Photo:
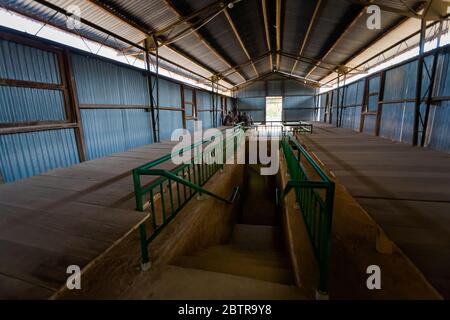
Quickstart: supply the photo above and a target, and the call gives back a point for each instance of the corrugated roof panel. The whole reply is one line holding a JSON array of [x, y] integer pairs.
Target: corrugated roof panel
[[154, 14], [329, 24], [20, 62], [97, 15], [247, 16], [30, 104], [23, 155], [296, 21], [263, 65], [350, 44]]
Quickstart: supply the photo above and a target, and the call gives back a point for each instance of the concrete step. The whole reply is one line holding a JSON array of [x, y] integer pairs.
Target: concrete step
[[177, 283], [256, 237], [237, 267], [264, 258]]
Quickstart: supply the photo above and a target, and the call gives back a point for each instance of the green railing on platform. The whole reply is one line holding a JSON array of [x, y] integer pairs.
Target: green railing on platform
[[169, 193], [314, 192]]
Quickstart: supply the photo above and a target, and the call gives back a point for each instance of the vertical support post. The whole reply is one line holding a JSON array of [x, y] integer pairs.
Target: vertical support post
[[337, 99], [429, 98], [183, 105], [380, 105], [157, 86], [150, 90], [71, 101], [418, 102], [342, 100]]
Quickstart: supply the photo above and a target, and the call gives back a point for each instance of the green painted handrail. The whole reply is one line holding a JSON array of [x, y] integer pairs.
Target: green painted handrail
[[316, 207]]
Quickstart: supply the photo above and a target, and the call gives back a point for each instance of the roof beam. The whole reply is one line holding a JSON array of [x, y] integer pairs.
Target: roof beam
[[131, 21], [309, 61], [238, 36], [418, 8], [252, 80], [341, 36], [232, 70], [266, 30], [308, 32], [200, 37], [405, 13], [278, 33]]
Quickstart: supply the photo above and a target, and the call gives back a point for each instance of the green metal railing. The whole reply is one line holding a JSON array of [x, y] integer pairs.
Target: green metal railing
[[314, 193], [169, 193]]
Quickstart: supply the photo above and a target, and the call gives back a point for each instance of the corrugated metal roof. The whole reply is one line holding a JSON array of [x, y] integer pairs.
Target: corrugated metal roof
[[215, 46]]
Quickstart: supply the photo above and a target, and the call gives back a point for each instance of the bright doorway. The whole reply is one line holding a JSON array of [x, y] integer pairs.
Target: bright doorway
[[274, 109]]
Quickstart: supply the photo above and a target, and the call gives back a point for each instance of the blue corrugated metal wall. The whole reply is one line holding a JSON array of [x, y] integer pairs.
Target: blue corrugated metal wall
[[30, 104], [108, 131], [29, 153], [298, 99], [102, 82], [23, 155], [169, 120], [20, 62], [204, 107], [439, 122]]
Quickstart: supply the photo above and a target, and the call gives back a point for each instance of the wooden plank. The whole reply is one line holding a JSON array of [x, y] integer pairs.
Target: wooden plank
[[15, 289], [31, 84], [62, 125]]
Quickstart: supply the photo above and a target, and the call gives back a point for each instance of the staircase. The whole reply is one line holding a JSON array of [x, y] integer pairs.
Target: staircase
[[252, 266]]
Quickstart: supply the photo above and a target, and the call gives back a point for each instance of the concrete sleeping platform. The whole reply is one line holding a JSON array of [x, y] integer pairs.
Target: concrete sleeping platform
[[67, 216], [405, 189]]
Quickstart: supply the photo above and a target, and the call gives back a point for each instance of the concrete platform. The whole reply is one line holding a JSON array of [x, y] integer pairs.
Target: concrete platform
[[68, 216], [405, 189]]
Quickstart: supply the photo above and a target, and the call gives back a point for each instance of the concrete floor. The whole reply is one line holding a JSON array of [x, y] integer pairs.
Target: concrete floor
[[405, 189]]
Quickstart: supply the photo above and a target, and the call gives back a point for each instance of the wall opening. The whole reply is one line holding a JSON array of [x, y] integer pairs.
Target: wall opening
[[274, 109]]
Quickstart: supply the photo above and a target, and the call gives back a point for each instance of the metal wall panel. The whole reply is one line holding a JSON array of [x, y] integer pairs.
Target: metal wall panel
[[351, 117], [169, 94], [298, 114], [257, 89], [296, 102], [206, 118], [204, 100], [397, 122], [102, 82], [439, 127], [21, 62], [274, 88], [401, 82], [19, 104], [257, 115], [169, 120], [246, 104], [23, 155], [295, 88], [107, 131]]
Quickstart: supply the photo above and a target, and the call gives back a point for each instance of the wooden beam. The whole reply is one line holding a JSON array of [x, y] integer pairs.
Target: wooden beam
[[34, 128], [278, 33], [308, 32], [229, 71], [266, 30], [149, 33], [238, 37], [404, 13], [200, 37], [341, 36], [31, 84], [71, 101]]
